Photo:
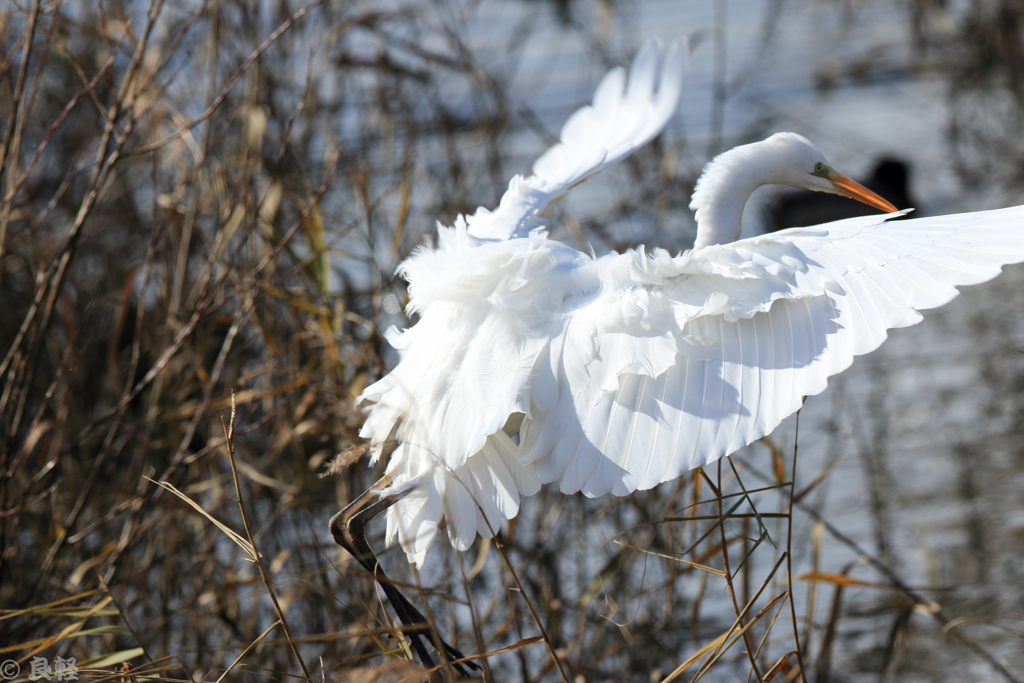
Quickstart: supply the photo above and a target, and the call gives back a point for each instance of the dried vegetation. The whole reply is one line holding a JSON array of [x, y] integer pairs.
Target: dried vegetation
[[202, 207]]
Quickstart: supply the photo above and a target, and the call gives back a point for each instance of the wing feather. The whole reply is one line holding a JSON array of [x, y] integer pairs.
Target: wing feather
[[714, 386], [494, 338], [766, 374], [664, 447], [624, 116], [646, 431], [615, 438], [744, 371], [693, 400], [771, 319], [632, 368]]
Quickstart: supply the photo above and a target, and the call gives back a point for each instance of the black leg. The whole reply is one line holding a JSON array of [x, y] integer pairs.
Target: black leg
[[348, 528]]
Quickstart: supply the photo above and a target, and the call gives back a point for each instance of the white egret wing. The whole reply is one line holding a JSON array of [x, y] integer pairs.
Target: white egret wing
[[680, 361], [486, 316], [625, 115]]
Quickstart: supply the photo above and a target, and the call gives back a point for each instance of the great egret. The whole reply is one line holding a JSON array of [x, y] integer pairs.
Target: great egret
[[534, 363]]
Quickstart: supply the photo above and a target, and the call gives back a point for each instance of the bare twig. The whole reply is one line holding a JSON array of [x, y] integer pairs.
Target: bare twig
[[229, 435]]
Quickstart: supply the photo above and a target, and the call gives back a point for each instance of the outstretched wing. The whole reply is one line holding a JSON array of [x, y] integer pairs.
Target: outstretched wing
[[489, 306], [624, 116], [486, 315], [680, 361]]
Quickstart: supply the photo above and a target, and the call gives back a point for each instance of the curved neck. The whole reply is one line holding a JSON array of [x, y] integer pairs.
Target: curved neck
[[724, 187]]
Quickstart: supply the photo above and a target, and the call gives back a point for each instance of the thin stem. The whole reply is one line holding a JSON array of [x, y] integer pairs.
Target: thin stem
[[248, 649], [529, 605], [229, 433], [789, 555], [728, 579]]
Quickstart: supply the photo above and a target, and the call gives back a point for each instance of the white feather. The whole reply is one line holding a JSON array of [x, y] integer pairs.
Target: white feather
[[623, 117], [629, 369]]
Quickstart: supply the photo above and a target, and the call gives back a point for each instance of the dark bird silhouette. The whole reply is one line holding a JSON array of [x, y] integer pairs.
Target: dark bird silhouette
[[801, 208]]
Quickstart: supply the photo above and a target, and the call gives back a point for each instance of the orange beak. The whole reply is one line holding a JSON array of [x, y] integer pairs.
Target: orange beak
[[855, 190]]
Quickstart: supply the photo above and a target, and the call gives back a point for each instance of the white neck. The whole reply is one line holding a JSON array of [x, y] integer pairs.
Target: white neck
[[726, 184]]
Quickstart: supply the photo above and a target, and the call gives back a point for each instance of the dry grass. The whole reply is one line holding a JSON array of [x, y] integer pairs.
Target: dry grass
[[202, 207]]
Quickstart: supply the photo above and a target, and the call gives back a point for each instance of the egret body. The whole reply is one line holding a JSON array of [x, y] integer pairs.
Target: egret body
[[533, 363]]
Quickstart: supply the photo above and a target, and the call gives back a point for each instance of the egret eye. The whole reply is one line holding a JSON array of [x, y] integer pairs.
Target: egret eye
[[819, 167]]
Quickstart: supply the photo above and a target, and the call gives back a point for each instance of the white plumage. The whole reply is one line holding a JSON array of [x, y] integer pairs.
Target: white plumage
[[534, 363]]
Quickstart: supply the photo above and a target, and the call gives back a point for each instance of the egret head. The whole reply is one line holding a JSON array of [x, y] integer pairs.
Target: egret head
[[798, 163], [782, 159]]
